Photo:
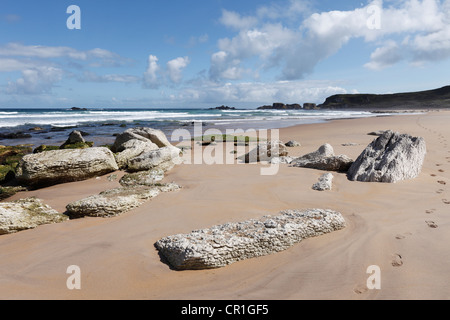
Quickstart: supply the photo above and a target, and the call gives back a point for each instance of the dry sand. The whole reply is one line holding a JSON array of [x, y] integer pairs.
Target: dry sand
[[386, 227]]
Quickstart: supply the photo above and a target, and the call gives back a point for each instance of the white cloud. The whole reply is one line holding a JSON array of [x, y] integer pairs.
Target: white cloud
[[89, 76], [175, 68], [261, 93], [155, 76], [35, 81], [151, 75], [385, 56], [268, 38], [235, 21]]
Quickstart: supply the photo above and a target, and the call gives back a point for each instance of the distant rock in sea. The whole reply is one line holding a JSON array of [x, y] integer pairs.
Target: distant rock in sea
[[223, 108], [225, 244], [14, 135], [281, 106], [78, 109], [390, 158]]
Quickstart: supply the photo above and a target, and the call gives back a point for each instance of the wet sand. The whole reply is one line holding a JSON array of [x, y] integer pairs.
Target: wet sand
[[386, 226]]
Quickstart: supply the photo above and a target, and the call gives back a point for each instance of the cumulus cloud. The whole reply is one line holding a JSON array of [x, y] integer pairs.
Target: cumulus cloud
[[423, 27], [151, 75], [175, 68], [155, 76], [35, 81]]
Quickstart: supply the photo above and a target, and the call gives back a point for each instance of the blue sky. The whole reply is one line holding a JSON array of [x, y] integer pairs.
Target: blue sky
[[205, 53]]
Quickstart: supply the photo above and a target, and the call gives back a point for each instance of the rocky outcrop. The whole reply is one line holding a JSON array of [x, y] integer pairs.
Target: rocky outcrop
[[135, 145], [164, 158], [390, 158], [323, 159], [60, 166], [143, 178], [26, 214], [265, 151], [325, 182], [117, 201], [225, 244]]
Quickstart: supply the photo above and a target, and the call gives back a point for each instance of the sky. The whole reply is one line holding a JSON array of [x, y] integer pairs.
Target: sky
[[208, 53]]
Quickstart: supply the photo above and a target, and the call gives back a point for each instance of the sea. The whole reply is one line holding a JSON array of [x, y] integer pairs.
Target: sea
[[52, 126]]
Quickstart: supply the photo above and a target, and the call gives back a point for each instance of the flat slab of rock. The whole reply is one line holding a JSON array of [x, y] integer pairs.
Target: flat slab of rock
[[323, 159], [143, 178], [60, 166], [117, 201], [225, 244], [325, 182], [26, 214], [390, 158]]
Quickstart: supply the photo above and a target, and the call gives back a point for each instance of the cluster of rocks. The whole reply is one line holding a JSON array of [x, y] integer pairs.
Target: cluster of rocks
[[144, 151], [137, 149], [225, 244]]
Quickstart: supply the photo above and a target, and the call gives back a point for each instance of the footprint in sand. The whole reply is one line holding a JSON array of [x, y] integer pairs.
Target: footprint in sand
[[445, 201], [397, 260], [431, 224], [433, 175], [440, 191], [430, 211], [442, 182], [360, 289], [440, 170]]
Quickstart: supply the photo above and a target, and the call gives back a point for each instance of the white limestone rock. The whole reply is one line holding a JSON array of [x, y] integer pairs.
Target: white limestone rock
[[225, 244], [60, 166], [325, 182], [26, 214], [323, 159], [390, 158]]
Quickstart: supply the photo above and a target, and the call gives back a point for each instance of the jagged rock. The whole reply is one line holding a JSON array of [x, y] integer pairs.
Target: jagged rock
[[117, 201], [60, 166], [292, 144], [146, 178], [265, 151], [26, 214], [325, 182], [225, 244], [143, 134], [390, 158], [137, 143], [131, 149], [165, 158], [323, 159]]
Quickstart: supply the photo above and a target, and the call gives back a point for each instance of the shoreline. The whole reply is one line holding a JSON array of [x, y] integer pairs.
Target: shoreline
[[384, 221]]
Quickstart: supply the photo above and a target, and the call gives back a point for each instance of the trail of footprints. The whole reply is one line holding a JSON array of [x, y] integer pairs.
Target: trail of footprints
[[396, 258]]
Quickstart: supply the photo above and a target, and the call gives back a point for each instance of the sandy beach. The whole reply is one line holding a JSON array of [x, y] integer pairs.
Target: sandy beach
[[386, 226]]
